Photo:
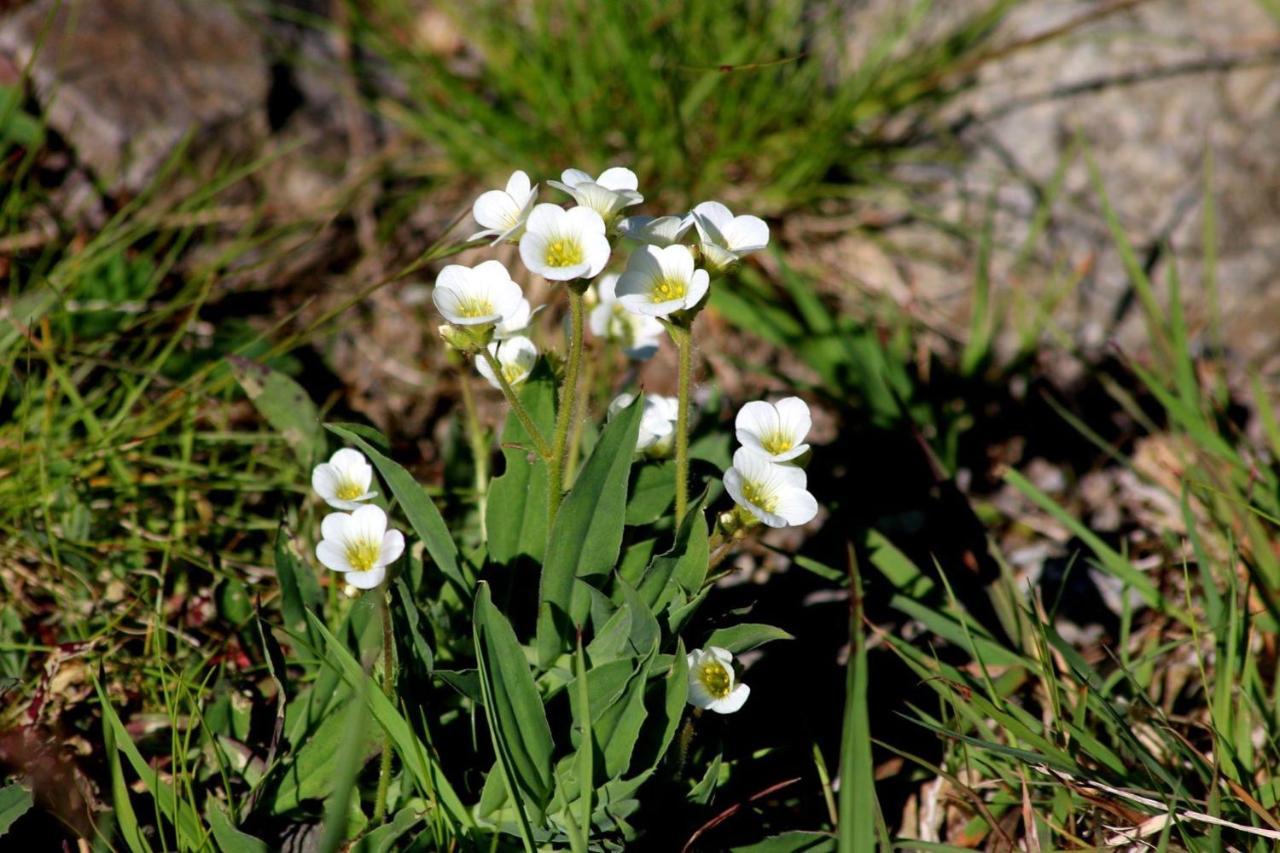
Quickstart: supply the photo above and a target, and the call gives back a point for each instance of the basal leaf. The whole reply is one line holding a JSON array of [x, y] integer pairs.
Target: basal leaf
[[516, 508], [284, 404], [15, 800], [517, 721], [587, 536], [653, 490], [745, 637], [299, 589], [684, 567]]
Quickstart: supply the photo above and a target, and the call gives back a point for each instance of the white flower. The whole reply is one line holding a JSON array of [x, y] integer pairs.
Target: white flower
[[359, 545], [514, 323], [502, 213], [515, 356], [343, 482], [777, 430], [607, 195], [712, 682], [725, 237], [654, 231], [639, 334], [772, 492], [476, 296], [561, 244], [657, 422], [660, 281]]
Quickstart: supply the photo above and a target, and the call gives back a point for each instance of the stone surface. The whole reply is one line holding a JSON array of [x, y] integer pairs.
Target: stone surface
[[1151, 89], [125, 80]]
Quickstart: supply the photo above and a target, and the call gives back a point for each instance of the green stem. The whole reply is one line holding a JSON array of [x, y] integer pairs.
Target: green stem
[[388, 688], [683, 344], [565, 414], [479, 452], [522, 414]]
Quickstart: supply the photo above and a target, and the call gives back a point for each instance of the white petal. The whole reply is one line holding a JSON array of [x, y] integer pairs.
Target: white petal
[[545, 218], [676, 262], [482, 366], [533, 250], [618, 178], [593, 197], [716, 257], [596, 251], [392, 547], [711, 218], [332, 556], [735, 700], [366, 580], [797, 506], [698, 286], [584, 220], [733, 485], [644, 304], [573, 177], [334, 526], [496, 210], [324, 480], [619, 403], [754, 421], [606, 288], [515, 322], [519, 187], [368, 523], [746, 234], [598, 320], [723, 655]]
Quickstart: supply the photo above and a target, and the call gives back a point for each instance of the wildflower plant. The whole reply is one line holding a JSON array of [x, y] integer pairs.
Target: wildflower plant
[[584, 687]]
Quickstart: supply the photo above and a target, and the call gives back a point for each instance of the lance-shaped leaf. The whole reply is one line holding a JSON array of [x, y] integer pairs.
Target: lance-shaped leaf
[[516, 508], [284, 405], [683, 568], [587, 535], [517, 721]]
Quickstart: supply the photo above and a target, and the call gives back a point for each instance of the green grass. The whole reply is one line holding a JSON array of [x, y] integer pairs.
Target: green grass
[[161, 607]]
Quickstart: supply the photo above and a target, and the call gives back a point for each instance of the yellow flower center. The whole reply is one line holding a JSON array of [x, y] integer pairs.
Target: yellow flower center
[[513, 373], [475, 306], [349, 490], [668, 289], [777, 442], [715, 679], [362, 554], [564, 253], [759, 496]]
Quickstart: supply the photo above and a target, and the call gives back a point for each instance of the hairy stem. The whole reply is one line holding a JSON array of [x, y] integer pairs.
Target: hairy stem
[[388, 687], [683, 344], [479, 452], [522, 414], [565, 414]]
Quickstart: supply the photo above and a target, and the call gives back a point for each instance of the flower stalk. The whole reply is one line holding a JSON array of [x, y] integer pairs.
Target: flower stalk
[[479, 452], [680, 335], [522, 414], [568, 402], [388, 688]]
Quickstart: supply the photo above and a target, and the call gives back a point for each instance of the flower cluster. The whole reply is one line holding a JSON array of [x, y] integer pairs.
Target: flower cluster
[[764, 480], [487, 313], [356, 543]]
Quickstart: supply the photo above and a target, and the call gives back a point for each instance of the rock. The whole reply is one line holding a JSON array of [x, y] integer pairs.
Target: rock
[[125, 80]]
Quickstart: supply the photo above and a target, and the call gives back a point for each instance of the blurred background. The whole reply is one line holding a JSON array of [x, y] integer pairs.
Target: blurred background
[[1028, 236]]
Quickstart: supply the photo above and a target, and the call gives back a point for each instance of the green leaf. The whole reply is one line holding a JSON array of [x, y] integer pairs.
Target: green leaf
[[684, 567], [747, 636], [587, 536], [418, 508], [178, 812], [230, 839], [17, 126], [857, 773], [616, 692], [517, 722], [516, 507], [386, 837], [792, 842], [666, 703], [413, 752], [653, 490], [284, 404], [299, 589], [15, 800], [312, 769]]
